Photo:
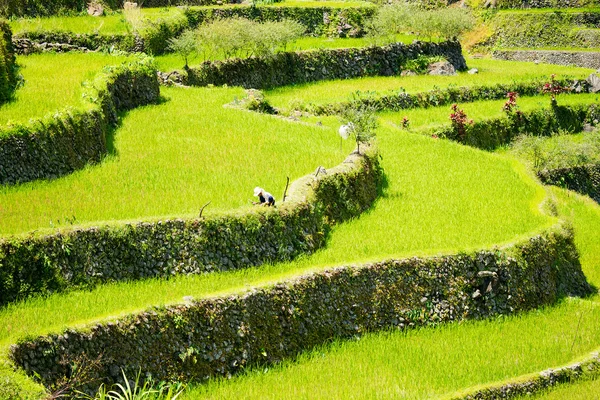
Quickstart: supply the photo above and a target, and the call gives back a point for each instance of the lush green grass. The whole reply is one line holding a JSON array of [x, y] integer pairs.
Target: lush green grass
[[425, 363], [433, 362], [170, 62], [171, 159], [52, 82], [442, 197], [110, 24], [426, 120], [585, 390], [490, 72]]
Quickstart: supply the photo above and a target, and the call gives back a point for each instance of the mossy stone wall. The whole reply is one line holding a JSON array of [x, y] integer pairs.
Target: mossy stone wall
[[67, 140], [584, 179], [78, 258], [309, 66], [223, 336]]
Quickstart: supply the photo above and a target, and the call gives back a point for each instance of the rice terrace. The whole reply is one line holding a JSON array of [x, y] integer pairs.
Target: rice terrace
[[298, 199]]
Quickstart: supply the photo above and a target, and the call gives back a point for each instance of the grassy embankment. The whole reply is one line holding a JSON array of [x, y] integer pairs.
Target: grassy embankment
[[490, 72], [436, 362], [51, 83], [424, 213], [152, 175]]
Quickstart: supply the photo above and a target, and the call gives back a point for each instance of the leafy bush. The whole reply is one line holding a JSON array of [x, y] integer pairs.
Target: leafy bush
[[390, 20], [360, 122], [420, 64], [559, 151], [186, 45], [446, 23], [241, 37], [156, 34], [8, 76], [328, 21], [492, 133]]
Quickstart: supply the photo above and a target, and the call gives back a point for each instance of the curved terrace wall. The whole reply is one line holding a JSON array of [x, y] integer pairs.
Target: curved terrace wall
[[153, 37], [586, 59], [222, 336], [435, 97], [493, 133], [65, 141], [584, 179], [309, 66], [41, 264]]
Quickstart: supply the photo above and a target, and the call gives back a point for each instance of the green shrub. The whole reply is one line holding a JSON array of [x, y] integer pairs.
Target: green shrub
[[559, 151], [186, 45], [156, 33], [389, 21], [241, 37], [329, 21], [491, 134], [8, 74], [360, 122], [447, 23]]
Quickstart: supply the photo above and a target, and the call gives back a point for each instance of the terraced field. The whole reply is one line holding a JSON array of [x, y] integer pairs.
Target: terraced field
[[167, 160]]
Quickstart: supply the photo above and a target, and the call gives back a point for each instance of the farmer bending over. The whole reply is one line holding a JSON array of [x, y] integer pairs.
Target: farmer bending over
[[266, 199]]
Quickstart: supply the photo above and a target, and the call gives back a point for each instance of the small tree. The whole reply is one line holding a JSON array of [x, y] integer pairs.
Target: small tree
[[359, 120], [186, 45]]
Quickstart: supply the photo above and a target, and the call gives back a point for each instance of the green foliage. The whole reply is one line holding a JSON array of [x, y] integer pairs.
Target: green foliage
[[185, 45], [559, 151], [241, 37], [8, 68], [139, 389], [389, 21], [420, 63], [360, 122], [335, 21], [448, 23], [497, 132], [301, 67], [157, 32]]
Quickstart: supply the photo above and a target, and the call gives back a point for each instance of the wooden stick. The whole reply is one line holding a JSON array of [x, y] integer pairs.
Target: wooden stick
[[286, 188], [202, 209]]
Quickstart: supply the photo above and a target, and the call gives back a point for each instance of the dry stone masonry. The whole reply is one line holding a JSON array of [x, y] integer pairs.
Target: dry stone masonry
[[199, 339]]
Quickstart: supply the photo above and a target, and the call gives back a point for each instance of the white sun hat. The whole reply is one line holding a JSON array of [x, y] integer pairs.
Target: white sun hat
[[257, 191]]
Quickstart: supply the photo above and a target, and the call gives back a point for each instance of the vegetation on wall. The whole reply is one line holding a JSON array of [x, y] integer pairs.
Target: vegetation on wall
[[8, 68], [308, 66], [67, 140], [442, 23]]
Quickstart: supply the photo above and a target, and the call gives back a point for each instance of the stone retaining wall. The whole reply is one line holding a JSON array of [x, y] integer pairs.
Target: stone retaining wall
[[579, 58], [309, 66], [84, 257], [222, 336]]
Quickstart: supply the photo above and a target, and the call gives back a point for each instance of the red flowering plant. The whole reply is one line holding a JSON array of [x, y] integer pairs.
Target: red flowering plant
[[459, 122], [553, 88], [511, 108], [405, 123]]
